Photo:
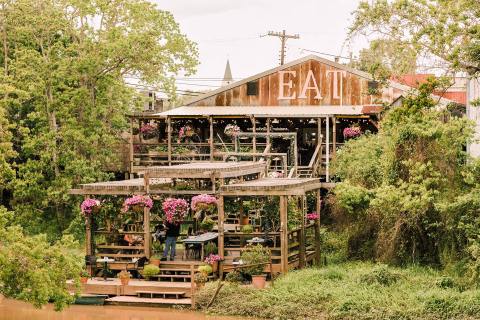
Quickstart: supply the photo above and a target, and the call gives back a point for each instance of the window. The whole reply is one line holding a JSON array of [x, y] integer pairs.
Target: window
[[252, 88]]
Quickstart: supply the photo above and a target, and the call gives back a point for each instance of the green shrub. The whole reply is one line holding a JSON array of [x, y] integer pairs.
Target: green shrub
[[210, 248], [248, 228], [207, 224], [150, 270], [205, 269], [234, 277], [380, 275], [445, 282], [255, 254], [200, 277]]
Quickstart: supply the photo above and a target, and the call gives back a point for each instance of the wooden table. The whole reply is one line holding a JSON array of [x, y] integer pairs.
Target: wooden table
[[201, 240]]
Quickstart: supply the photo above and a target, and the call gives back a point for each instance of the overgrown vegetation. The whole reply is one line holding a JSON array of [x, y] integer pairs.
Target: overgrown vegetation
[[350, 291]]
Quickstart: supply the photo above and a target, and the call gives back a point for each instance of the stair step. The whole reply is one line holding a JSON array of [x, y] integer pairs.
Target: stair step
[[164, 294], [128, 300]]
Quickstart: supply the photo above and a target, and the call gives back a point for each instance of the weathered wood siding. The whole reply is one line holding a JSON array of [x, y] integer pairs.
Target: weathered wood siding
[[354, 91]]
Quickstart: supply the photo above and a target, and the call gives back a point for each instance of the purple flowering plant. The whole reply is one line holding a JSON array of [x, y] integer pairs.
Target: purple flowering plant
[[352, 132], [185, 131], [212, 258], [88, 205], [313, 216], [148, 129], [137, 200], [175, 209]]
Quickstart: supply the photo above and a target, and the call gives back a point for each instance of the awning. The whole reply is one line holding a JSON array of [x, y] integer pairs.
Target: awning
[[271, 111]]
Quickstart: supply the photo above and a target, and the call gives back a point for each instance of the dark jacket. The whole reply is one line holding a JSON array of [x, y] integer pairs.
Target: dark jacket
[[173, 229]]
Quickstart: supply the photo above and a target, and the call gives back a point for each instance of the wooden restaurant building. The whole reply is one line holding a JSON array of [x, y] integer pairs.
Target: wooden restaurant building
[[261, 146]]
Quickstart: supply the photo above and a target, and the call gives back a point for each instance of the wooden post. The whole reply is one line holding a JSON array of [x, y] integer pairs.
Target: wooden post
[[295, 154], [146, 231], [210, 119], [254, 140], [284, 233], [268, 131], [221, 220], [192, 286], [327, 133], [318, 258], [130, 140], [88, 242], [169, 140], [302, 249], [334, 135]]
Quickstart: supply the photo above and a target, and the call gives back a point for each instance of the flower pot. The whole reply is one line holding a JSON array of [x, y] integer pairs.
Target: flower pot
[[83, 280], [154, 261], [124, 281], [244, 220], [259, 281], [214, 267]]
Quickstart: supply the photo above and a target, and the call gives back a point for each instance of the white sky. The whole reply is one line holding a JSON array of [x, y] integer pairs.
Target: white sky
[[231, 29]]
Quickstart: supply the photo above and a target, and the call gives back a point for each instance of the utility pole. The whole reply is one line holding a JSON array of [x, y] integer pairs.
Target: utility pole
[[283, 38]]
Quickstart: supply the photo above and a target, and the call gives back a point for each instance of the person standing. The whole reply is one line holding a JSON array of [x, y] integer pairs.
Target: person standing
[[173, 231]]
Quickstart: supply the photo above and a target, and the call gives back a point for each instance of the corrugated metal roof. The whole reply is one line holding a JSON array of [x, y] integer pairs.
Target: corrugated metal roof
[[270, 111]]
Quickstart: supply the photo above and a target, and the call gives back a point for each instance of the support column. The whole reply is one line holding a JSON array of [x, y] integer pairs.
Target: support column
[[284, 234], [254, 140], [169, 140], [221, 231], [146, 231], [334, 135], [88, 242], [327, 138], [131, 149], [268, 131], [317, 230], [302, 249], [210, 119]]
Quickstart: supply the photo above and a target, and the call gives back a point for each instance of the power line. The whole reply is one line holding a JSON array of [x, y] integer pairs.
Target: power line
[[283, 39]]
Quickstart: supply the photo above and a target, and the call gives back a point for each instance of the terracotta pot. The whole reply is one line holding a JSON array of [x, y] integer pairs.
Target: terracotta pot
[[154, 261], [244, 220], [259, 281], [83, 280], [214, 267], [124, 281]]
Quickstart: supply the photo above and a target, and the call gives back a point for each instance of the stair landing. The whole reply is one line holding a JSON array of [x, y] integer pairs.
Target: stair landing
[[151, 302]]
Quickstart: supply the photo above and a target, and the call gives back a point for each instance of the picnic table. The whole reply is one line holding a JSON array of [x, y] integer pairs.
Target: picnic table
[[200, 240]]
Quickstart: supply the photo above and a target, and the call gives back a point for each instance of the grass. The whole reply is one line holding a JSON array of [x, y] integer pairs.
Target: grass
[[350, 291]]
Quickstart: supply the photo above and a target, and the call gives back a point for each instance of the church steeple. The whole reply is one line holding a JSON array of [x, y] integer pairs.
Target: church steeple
[[227, 77]]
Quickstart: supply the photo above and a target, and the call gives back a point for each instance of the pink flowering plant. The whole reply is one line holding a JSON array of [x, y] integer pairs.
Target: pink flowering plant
[[137, 200], [275, 174], [352, 132], [212, 258], [204, 202], [231, 130], [313, 216], [185, 131], [175, 209], [149, 130], [89, 205]]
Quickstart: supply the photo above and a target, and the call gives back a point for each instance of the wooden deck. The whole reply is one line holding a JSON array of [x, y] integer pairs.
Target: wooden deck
[[147, 302]]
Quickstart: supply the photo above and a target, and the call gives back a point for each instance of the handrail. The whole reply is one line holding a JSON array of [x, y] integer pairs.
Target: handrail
[[314, 156]]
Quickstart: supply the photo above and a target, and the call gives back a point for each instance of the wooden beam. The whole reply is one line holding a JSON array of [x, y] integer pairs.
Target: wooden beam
[[284, 233], [334, 135], [221, 231], [327, 133], [212, 148], [130, 142], [268, 131], [169, 140], [146, 230], [88, 241], [254, 140], [302, 249], [318, 257]]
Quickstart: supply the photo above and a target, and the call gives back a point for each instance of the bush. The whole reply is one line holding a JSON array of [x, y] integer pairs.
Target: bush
[[247, 228], [200, 277], [207, 224], [234, 277], [255, 254], [380, 275], [150, 270], [210, 248], [205, 269], [445, 282]]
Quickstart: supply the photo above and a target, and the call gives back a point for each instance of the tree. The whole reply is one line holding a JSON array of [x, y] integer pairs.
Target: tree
[[65, 92], [396, 184], [443, 31], [32, 269]]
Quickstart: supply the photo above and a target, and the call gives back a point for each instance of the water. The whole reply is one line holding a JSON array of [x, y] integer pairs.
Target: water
[[17, 310]]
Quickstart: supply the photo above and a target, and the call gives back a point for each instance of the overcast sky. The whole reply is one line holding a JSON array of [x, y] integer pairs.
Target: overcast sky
[[231, 29]]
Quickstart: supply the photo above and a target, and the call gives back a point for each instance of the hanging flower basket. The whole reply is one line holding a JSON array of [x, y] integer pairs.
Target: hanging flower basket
[[352, 132], [232, 130], [186, 131], [90, 206], [204, 202], [275, 174], [212, 260], [149, 131], [175, 209], [137, 203], [313, 216]]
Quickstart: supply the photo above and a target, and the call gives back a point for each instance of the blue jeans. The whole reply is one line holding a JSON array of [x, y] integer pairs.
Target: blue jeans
[[170, 244]]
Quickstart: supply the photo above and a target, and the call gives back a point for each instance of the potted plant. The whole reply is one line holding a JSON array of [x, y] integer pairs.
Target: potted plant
[[256, 256], [175, 209], [203, 204], [186, 131], [149, 132], [352, 132], [212, 260], [149, 271], [137, 203], [231, 130], [200, 278], [90, 206], [84, 276], [155, 259], [206, 269], [211, 248], [312, 216], [124, 277], [207, 224], [248, 228]]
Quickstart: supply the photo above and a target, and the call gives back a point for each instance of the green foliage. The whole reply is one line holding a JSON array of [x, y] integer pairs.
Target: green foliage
[[207, 224], [234, 277], [200, 277], [380, 275], [205, 269], [248, 228], [63, 88], [443, 30], [337, 292], [35, 271], [150, 270], [211, 248], [257, 256], [398, 187]]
